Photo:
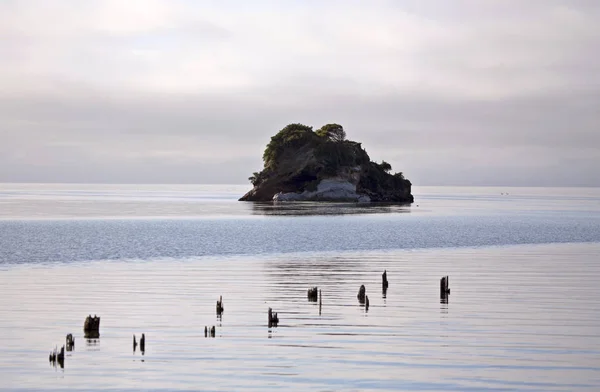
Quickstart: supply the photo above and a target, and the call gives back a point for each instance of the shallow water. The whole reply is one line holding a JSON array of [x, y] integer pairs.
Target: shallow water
[[519, 317], [524, 312], [66, 223]]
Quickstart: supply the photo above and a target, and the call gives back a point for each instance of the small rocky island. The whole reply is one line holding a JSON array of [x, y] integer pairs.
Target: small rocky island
[[305, 165]]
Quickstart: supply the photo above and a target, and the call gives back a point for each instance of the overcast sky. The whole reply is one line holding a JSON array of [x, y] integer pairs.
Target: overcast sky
[[462, 92]]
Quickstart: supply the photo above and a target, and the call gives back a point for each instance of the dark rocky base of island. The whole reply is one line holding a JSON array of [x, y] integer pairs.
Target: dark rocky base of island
[[305, 165]]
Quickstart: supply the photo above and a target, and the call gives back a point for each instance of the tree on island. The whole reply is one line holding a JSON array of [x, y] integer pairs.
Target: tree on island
[[333, 132], [386, 167], [292, 135], [254, 178]]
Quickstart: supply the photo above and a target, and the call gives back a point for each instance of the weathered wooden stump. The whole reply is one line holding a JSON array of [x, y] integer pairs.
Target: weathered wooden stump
[[366, 303], [91, 327], [320, 301], [384, 281], [213, 332], [313, 294], [143, 343], [273, 319], [444, 287], [220, 307], [70, 342], [361, 294], [58, 357], [134, 343], [205, 331]]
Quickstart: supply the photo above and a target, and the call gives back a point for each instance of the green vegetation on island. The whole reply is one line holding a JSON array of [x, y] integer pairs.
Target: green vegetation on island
[[322, 165]]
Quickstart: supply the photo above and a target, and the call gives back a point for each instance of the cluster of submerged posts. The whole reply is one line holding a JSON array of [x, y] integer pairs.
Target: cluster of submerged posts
[[212, 332], [91, 330], [91, 326], [363, 298]]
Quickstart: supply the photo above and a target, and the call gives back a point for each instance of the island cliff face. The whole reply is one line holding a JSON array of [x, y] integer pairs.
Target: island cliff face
[[305, 165]]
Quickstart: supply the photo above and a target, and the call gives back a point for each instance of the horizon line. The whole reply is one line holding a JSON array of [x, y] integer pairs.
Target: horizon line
[[249, 185]]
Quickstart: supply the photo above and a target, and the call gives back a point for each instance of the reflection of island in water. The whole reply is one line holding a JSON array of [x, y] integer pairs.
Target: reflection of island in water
[[320, 208]]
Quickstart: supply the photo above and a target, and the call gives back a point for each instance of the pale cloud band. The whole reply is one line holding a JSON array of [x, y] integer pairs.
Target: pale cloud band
[[461, 92]]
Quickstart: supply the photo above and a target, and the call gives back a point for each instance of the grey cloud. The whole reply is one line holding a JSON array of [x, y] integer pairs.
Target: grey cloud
[[495, 92], [544, 129]]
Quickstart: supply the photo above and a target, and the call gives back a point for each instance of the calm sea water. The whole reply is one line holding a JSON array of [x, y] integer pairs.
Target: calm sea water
[[524, 312]]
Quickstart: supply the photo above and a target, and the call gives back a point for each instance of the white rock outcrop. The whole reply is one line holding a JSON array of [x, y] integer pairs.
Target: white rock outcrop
[[332, 189]]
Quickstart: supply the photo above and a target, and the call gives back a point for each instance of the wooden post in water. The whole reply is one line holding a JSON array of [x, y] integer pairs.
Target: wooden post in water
[[361, 294], [313, 294], [143, 343], [366, 303], [384, 281], [60, 358], [70, 342], [444, 287], [273, 319], [320, 301], [91, 327], [270, 314], [220, 307]]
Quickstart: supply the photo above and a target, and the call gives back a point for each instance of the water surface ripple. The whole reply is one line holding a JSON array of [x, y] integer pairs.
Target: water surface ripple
[[524, 312], [518, 318]]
